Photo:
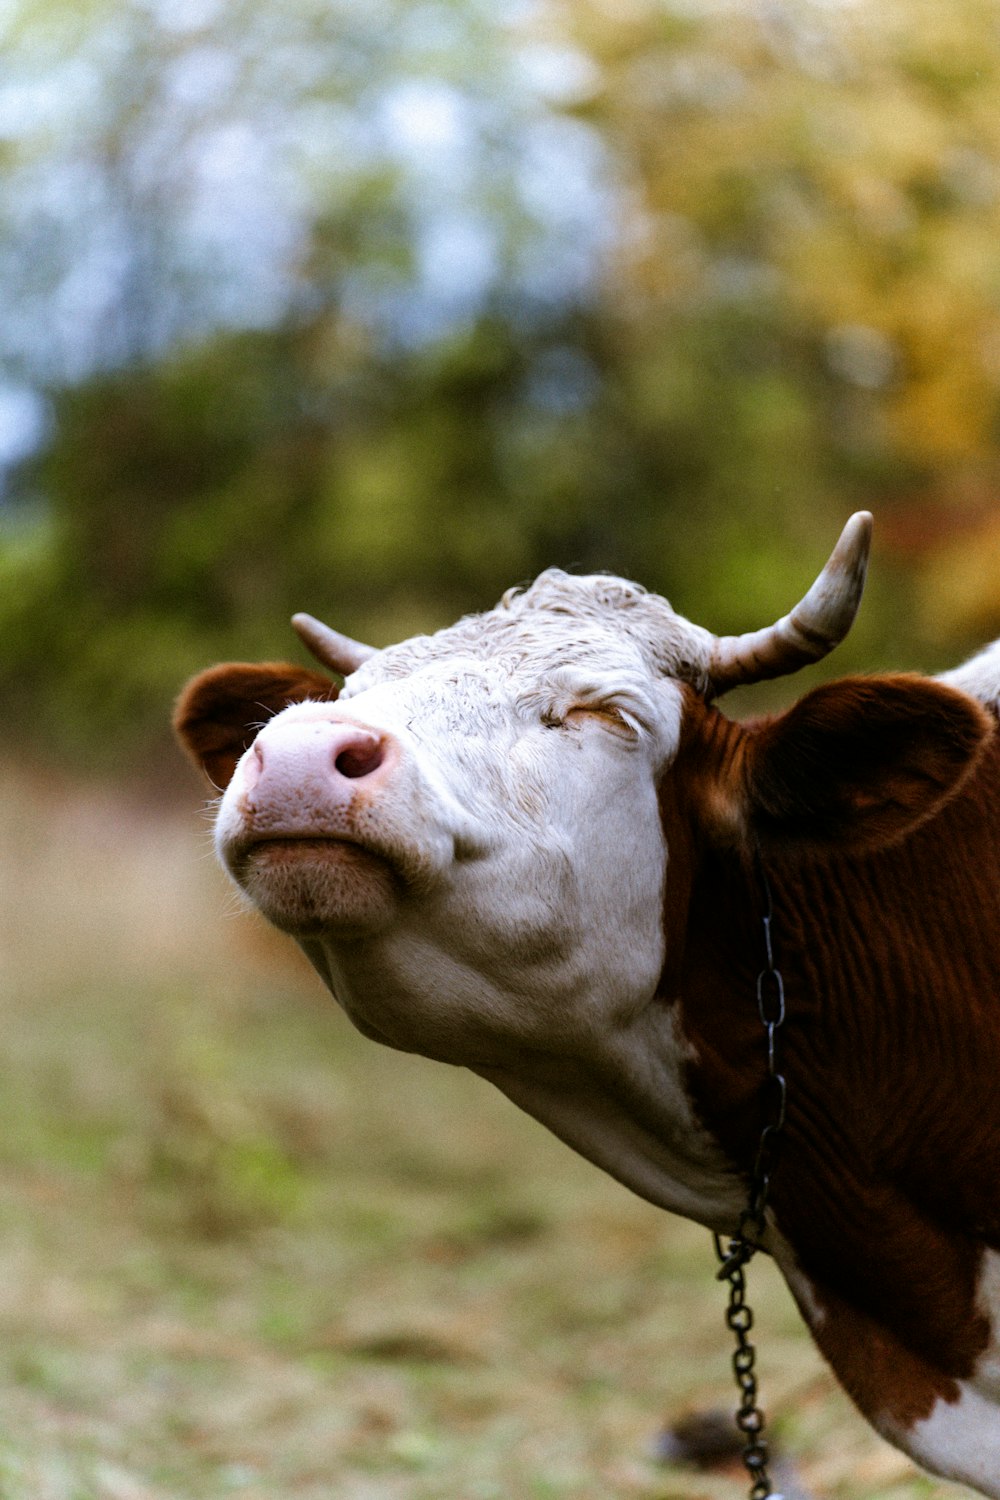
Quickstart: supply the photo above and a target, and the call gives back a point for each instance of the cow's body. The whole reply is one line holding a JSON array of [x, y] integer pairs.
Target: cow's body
[[527, 846], [886, 1210]]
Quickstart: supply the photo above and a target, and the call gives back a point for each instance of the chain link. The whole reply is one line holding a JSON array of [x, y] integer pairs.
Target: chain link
[[745, 1243]]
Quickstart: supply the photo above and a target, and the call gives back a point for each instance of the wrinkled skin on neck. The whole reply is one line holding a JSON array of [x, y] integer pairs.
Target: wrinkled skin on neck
[[524, 936]]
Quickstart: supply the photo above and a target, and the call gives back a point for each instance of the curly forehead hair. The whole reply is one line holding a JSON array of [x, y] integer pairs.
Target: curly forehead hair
[[561, 617]]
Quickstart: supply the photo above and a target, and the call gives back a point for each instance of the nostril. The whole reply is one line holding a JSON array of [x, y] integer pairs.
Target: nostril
[[292, 752], [360, 758]]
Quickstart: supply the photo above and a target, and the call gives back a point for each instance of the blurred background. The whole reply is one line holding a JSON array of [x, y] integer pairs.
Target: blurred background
[[373, 308]]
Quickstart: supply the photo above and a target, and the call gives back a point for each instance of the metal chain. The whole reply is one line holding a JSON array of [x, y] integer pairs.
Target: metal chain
[[745, 1243]]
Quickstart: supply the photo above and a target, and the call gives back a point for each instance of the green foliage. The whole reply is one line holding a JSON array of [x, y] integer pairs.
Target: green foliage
[[784, 305]]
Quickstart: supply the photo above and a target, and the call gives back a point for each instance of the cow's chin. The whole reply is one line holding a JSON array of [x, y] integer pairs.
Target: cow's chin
[[313, 887]]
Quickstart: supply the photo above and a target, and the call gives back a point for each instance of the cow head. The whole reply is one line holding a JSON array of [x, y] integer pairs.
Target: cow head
[[468, 839]]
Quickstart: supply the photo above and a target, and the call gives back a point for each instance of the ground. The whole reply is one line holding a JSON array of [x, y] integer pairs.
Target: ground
[[245, 1253]]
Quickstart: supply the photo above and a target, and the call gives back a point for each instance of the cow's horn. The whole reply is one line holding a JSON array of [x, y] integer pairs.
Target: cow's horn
[[811, 630], [330, 647]]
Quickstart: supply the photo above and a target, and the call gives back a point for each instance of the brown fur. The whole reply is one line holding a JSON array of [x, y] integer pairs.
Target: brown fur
[[886, 1186], [854, 765]]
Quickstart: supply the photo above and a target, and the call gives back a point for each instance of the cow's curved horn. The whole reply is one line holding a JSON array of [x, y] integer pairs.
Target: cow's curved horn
[[329, 646], [812, 629]]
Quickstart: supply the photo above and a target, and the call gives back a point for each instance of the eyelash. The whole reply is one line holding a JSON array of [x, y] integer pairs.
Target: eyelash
[[617, 720]]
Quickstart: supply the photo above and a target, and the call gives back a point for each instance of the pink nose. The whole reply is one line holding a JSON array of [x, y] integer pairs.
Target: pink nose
[[326, 756]]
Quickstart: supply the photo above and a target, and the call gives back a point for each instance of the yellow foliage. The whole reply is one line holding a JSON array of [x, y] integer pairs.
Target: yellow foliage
[[959, 585], [852, 151]]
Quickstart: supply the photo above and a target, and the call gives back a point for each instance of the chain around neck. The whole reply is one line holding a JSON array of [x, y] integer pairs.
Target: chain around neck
[[744, 1244]]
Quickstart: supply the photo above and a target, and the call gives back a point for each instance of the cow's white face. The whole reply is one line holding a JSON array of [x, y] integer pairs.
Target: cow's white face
[[467, 842]]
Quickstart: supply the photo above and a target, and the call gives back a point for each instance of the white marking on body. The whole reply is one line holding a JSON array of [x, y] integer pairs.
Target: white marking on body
[[960, 1440]]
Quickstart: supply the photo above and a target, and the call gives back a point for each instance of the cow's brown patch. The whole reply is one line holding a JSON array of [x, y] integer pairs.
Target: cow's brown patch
[[885, 1189], [888, 1381], [853, 766], [860, 763]]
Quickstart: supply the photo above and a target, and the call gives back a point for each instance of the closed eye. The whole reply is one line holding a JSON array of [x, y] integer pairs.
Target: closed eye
[[608, 715]]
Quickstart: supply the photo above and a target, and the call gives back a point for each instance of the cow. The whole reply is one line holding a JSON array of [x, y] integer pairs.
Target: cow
[[531, 844]]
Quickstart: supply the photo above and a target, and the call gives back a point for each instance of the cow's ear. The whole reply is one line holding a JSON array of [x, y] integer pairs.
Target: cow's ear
[[859, 763], [220, 711]]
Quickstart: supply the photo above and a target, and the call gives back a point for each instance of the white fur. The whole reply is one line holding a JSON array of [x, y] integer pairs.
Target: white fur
[[529, 943], [959, 1440], [598, 619], [979, 676]]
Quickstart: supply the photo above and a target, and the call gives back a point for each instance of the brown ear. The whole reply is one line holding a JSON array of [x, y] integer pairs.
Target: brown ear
[[859, 763], [219, 712]]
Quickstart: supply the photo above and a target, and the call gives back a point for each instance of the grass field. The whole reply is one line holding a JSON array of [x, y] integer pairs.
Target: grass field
[[245, 1253]]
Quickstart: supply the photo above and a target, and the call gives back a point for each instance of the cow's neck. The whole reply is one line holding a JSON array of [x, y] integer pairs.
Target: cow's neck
[[887, 963], [712, 982], [891, 1007], [632, 1105]]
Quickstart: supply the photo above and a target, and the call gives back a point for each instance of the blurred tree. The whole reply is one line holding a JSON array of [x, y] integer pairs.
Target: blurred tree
[[817, 214], [374, 308], [277, 271]]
